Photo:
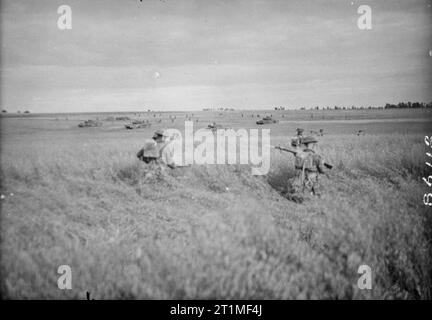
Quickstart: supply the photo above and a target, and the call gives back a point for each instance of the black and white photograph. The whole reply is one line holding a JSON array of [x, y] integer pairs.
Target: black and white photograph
[[218, 150]]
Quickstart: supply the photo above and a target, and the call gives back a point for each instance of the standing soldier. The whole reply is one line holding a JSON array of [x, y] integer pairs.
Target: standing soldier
[[296, 141], [309, 165]]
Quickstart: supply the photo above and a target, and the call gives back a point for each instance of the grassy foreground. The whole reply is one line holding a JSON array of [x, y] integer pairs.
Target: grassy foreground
[[214, 231]]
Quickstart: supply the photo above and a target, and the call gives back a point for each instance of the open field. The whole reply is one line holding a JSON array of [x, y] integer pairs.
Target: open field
[[81, 198]]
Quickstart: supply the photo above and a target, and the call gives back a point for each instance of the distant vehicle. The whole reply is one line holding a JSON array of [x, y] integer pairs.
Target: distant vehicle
[[140, 122], [213, 126], [137, 124], [90, 123], [266, 120]]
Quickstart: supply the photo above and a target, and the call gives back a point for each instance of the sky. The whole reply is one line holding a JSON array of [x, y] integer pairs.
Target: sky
[[173, 55]]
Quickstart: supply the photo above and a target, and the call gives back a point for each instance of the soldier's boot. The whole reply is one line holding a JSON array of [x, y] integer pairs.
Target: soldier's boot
[[317, 189], [316, 192], [296, 198]]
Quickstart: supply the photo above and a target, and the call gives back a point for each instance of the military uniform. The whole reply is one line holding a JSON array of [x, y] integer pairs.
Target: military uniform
[[309, 165], [150, 152], [157, 151], [297, 140]]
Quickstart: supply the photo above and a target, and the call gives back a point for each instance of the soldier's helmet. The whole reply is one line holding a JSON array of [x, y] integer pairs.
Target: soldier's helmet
[[159, 133], [309, 139]]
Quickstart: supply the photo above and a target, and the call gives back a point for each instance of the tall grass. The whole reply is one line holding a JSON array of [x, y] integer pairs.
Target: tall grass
[[213, 231]]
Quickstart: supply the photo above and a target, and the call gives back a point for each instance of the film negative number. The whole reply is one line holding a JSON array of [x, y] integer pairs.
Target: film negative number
[[427, 199], [427, 181]]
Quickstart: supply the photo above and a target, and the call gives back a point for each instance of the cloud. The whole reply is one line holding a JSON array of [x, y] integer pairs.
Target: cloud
[[249, 52]]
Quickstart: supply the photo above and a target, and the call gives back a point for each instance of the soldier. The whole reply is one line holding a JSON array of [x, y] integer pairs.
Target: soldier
[[297, 140], [309, 165], [158, 150]]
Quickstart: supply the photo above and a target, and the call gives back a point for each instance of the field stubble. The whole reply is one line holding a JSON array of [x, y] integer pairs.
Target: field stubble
[[213, 231]]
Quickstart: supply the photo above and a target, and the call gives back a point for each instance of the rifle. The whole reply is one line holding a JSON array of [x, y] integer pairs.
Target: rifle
[[182, 166], [294, 152]]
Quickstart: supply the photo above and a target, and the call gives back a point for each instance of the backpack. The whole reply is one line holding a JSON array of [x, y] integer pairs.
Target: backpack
[[150, 151], [304, 160]]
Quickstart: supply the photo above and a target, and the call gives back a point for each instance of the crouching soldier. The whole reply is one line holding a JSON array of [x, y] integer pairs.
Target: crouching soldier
[[158, 150], [309, 165]]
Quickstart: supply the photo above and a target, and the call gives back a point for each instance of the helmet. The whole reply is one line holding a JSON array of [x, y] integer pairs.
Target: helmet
[[159, 133]]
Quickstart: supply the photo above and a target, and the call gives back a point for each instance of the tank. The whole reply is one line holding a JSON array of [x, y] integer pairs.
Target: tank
[[90, 123], [266, 120]]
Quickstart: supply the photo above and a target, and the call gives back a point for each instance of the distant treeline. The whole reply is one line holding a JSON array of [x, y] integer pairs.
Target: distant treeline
[[406, 105], [400, 105], [218, 109], [340, 108]]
